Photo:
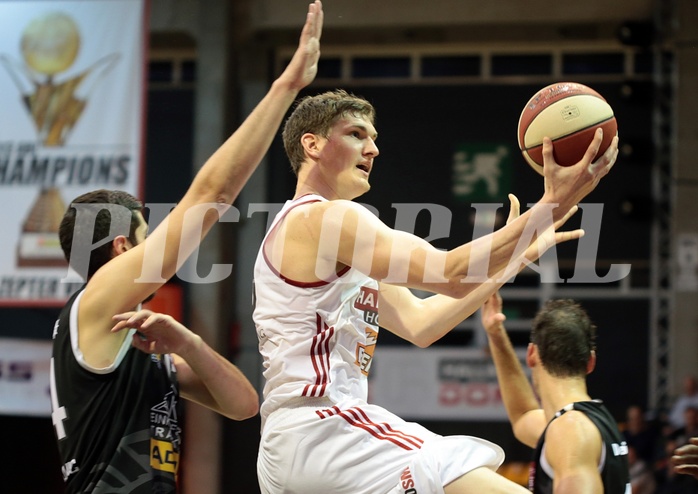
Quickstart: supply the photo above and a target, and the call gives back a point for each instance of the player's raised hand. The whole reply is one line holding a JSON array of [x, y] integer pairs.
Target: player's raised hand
[[491, 313], [545, 239], [568, 185], [302, 68]]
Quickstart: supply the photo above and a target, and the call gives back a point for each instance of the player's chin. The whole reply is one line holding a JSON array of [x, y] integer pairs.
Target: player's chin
[[361, 188], [366, 188]]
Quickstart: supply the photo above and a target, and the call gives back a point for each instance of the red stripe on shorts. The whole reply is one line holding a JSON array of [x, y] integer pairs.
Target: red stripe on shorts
[[358, 418]]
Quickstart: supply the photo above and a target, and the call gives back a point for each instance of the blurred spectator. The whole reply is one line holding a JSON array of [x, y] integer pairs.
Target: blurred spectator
[[688, 397], [690, 427], [643, 435], [641, 474]]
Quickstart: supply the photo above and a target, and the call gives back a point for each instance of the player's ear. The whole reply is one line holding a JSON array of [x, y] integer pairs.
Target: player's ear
[[120, 244], [591, 364], [311, 144], [531, 355]]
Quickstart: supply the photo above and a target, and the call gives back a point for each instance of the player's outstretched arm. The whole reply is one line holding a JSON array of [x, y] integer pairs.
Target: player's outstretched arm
[[220, 179], [565, 187], [524, 412], [423, 321], [142, 269], [204, 375]]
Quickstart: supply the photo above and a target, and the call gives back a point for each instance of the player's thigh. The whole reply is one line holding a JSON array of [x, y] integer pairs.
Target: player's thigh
[[484, 480]]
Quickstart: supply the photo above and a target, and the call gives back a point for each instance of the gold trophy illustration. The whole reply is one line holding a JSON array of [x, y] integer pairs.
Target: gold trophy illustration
[[50, 44], [38, 243]]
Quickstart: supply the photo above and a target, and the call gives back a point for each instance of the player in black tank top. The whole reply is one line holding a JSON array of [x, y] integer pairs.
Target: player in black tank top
[[118, 429], [614, 466], [561, 428]]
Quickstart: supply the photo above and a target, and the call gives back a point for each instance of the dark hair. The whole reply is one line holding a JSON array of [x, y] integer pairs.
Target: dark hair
[[565, 337], [316, 114], [102, 254]]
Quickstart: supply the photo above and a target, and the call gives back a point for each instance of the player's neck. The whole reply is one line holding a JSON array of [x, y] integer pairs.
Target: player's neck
[[557, 393], [311, 182]]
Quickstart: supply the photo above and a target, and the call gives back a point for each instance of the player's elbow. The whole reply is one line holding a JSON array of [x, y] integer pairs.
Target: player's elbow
[[251, 410], [422, 342], [251, 404], [246, 408], [422, 338], [455, 288], [208, 189]]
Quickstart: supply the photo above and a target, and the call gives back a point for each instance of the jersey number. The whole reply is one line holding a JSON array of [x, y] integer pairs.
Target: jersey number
[[58, 413]]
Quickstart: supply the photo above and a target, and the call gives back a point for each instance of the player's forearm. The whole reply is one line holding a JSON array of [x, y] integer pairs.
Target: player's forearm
[[433, 317], [517, 394], [227, 170], [501, 253], [217, 384]]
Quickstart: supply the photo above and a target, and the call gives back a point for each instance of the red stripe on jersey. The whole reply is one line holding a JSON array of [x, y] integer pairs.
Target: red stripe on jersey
[[320, 358]]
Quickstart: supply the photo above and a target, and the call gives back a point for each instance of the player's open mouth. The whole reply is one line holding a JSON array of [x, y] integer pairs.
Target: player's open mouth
[[365, 168]]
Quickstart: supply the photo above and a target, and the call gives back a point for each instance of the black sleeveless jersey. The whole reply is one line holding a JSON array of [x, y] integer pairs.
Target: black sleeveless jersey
[[117, 428], [614, 462]]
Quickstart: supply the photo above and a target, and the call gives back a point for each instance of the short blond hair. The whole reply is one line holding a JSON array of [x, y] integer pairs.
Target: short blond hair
[[316, 115]]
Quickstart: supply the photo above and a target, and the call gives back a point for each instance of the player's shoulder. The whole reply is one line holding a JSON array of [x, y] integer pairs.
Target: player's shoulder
[[326, 210], [573, 426]]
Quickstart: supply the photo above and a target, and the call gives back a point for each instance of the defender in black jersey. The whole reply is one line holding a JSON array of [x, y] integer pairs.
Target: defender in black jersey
[[614, 460], [117, 371], [577, 442], [118, 427]]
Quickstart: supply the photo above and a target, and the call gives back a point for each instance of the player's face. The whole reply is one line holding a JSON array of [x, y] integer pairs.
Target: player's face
[[347, 156]]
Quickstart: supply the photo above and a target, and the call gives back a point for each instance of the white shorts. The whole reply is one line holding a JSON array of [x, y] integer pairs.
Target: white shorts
[[359, 448]]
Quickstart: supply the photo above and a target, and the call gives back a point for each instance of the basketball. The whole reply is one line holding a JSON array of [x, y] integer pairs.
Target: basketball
[[568, 113]]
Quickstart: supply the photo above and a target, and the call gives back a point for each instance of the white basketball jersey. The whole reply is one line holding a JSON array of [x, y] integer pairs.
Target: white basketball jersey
[[316, 339]]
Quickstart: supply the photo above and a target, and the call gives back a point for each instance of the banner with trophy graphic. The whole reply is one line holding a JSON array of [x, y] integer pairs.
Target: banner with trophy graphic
[[71, 120]]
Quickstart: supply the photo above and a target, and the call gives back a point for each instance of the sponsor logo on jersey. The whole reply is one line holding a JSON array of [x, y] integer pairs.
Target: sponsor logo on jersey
[[367, 301], [364, 352], [69, 468], [531, 476], [163, 457], [165, 434], [407, 482], [620, 449]]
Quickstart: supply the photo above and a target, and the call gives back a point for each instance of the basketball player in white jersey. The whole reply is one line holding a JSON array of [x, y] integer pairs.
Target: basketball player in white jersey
[[329, 269]]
